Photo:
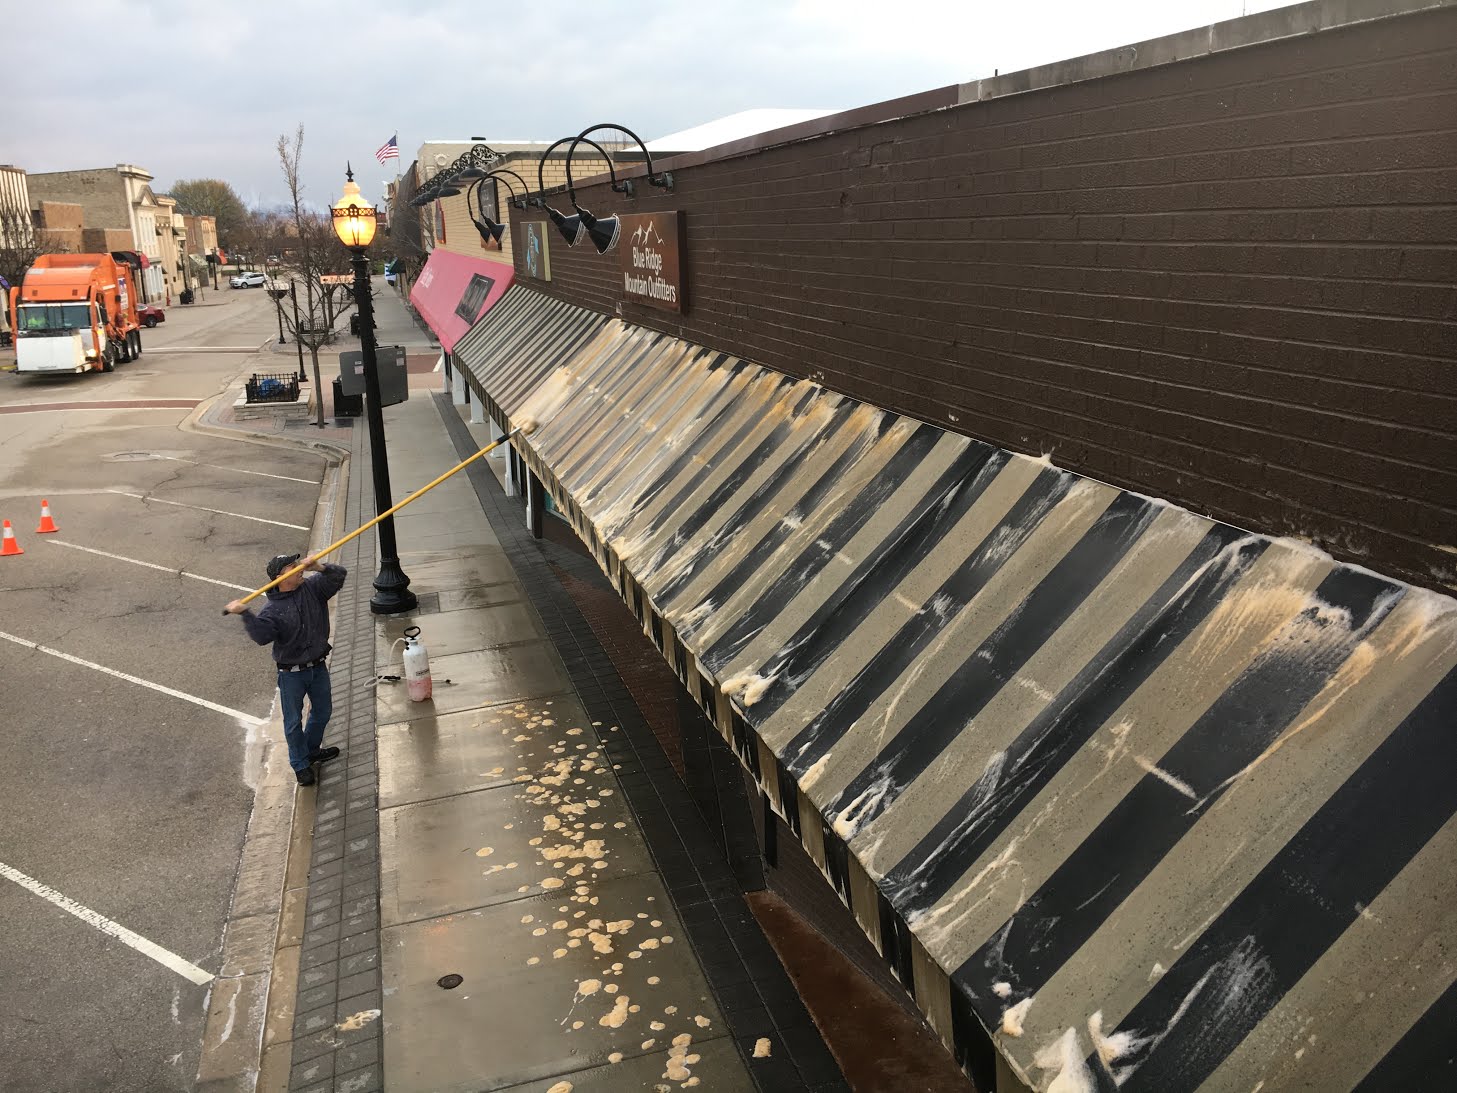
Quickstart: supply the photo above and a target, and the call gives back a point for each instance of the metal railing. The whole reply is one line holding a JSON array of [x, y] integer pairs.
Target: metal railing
[[271, 388]]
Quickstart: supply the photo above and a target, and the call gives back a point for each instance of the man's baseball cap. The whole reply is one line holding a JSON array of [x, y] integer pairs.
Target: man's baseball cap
[[280, 562]]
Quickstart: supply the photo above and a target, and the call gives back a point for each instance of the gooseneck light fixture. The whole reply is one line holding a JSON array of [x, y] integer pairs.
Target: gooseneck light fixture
[[663, 180], [490, 229], [354, 224], [569, 226], [580, 224], [604, 232]]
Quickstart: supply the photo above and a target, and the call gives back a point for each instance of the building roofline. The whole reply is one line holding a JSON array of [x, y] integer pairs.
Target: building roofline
[[1249, 30]]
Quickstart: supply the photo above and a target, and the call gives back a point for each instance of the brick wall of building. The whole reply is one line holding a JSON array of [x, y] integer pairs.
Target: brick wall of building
[[460, 234], [1227, 281], [58, 226], [59, 216], [102, 192], [105, 240]]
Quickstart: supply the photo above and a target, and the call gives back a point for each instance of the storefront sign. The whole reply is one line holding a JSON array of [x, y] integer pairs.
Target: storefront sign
[[652, 271], [535, 256]]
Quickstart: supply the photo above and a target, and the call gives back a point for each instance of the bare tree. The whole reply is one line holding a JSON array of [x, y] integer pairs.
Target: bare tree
[[314, 254], [21, 242]]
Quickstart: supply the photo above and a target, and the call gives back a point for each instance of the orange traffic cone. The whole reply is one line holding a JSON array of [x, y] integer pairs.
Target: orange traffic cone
[[9, 546], [47, 525]]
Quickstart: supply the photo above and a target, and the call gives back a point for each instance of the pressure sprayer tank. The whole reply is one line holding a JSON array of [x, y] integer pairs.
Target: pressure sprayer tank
[[417, 666]]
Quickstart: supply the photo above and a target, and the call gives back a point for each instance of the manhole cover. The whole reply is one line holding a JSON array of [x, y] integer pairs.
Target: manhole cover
[[142, 457], [130, 457], [450, 982]]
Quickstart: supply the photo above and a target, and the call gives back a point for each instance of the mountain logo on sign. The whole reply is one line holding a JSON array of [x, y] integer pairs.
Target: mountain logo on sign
[[647, 234]]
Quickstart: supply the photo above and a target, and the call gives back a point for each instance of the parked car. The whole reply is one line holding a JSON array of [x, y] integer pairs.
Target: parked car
[[151, 315], [247, 280]]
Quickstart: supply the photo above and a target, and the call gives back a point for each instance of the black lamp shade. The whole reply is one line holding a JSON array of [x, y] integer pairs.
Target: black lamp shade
[[604, 233], [471, 173], [489, 229], [569, 226], [447, 191]]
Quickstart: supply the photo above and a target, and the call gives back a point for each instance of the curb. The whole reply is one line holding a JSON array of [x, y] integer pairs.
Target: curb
[[248, 1031], [194, 423]]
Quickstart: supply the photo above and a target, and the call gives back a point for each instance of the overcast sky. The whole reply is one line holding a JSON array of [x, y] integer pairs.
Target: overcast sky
[[203, 90]]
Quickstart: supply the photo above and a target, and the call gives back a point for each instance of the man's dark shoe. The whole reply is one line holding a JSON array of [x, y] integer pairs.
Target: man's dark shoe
[[323, 755], [306, 776]]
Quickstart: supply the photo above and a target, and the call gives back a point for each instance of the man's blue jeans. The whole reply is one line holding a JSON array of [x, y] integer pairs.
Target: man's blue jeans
[[292, 687]]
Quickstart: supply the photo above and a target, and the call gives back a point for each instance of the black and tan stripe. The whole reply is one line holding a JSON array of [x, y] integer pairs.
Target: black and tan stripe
[[1142, 800]]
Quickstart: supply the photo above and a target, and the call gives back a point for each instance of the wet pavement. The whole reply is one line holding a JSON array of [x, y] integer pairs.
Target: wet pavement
[[136, 728], [508, 854], [528, 830], [492, 839]]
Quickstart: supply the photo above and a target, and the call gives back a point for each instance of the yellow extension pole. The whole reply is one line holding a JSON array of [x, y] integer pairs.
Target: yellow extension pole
[[388, 512]]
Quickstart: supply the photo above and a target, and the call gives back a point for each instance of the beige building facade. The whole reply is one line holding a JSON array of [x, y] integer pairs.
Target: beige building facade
[[172, 239], [115, 198], [201, 243], [15, 219]]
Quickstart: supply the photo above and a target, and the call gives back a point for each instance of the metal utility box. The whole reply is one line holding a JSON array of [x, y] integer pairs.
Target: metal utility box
[[394, 383]]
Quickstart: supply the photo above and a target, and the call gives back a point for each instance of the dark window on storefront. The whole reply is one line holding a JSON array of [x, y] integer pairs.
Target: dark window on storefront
[[474, 297]]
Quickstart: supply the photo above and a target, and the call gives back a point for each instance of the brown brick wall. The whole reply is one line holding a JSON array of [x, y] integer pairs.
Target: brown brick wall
[[59, 216], [1227, 281], [100, 191], [105, 240]]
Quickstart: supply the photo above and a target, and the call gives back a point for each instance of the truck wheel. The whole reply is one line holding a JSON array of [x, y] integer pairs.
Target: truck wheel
[[108, 359], [136, 344], [124, 350]]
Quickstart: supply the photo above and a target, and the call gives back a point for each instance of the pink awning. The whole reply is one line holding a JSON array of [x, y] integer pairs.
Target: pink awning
[[453, 291]]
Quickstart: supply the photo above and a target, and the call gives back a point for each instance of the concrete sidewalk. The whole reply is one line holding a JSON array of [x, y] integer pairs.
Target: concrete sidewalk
[[485, 907], [508, 855]]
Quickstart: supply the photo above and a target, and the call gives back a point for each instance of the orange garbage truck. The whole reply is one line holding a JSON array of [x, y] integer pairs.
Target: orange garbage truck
[[75, 313]]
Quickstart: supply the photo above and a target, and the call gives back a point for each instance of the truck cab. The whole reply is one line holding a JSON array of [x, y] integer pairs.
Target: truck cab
[[59, 337], [74, 313]]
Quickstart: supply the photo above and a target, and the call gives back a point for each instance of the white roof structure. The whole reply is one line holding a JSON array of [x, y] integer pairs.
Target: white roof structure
[[746, 123]]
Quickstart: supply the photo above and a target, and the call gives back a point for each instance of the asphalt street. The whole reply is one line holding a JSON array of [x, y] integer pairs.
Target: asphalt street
[[125, 783]]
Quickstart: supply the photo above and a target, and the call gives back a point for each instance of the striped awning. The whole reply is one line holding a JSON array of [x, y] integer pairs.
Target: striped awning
[[1161, 804]]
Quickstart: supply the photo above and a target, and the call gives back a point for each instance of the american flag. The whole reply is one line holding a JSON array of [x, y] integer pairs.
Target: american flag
[[390, 149]]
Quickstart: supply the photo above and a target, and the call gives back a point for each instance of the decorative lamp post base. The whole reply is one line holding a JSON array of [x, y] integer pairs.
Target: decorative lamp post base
[[392, 595]]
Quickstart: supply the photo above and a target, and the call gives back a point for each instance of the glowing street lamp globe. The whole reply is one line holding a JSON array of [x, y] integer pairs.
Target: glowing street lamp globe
[[354, 217]]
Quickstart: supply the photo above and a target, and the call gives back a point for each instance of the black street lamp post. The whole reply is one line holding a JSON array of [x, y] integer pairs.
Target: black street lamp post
[[278, 303], [293, 292], [354, 223]]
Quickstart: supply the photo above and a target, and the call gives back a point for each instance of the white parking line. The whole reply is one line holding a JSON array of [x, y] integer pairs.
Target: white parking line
[[113, 929], [246, 718], [239, 470], [149, 565], [204, 348], [203, 508]]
